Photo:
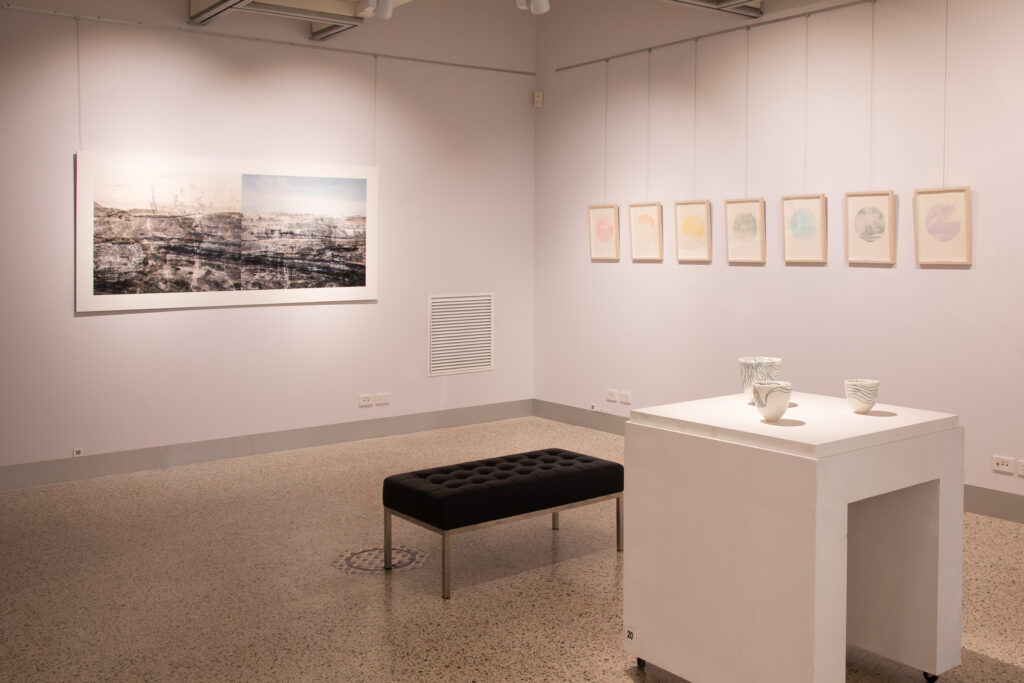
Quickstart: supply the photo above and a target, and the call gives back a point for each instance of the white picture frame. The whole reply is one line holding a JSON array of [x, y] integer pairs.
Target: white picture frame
[[166, 232]]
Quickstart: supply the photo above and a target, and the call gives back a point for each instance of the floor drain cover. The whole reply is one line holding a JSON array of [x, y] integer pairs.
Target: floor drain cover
[[370, 560]]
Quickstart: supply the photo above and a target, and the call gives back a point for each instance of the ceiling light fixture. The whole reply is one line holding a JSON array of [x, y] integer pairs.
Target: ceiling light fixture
[[535, 6], [381, 9]]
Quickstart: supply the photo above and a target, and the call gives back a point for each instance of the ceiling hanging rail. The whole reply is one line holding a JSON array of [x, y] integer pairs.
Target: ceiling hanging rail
[[308, 45], [764, 21]]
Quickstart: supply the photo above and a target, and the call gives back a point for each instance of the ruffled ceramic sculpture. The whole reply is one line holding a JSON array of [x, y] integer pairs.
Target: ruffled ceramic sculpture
[[771, 398], [758, 369], [862, 394]]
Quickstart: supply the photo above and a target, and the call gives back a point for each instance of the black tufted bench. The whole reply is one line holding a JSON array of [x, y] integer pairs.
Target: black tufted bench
[[470, 495]]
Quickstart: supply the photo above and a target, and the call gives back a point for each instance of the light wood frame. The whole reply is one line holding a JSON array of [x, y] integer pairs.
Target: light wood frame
[[805, 236], [699, 244], [860, 248], [744, 248], [942, 226], [642, 249], [603, 246]]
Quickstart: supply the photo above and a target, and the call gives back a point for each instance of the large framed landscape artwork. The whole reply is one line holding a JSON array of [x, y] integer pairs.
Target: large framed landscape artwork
[[158, 232]]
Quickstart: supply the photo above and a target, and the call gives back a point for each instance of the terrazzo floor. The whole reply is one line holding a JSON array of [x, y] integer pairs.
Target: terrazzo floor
[[223, 571]]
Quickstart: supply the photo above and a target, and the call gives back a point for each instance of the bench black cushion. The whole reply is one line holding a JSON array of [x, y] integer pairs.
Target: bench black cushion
[[485, 490]]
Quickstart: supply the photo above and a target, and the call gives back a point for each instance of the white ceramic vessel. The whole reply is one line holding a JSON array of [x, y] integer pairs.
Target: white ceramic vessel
[[862, 394], [772, 398], [758, 369]]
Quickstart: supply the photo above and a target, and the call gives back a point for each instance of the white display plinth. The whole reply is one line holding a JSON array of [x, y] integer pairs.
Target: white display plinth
[[756, 551]]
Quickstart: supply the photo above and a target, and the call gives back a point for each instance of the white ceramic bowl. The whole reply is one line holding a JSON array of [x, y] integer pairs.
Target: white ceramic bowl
[[862, 394], [758, 369], [772, 398]]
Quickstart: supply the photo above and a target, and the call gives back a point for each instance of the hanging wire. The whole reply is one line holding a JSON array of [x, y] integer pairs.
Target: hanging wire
[[871, 105], [374, 134], [945, 97], [604, 192], [647, 141], [693, 148], [807, 87], [78, 77], [746, 127]]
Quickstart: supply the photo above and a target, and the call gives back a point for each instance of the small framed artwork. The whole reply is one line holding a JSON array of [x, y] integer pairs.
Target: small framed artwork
[[871, 227], [693, 231], [645, 238], [603, 222], [942, 226], [744, 230], [804, 229]]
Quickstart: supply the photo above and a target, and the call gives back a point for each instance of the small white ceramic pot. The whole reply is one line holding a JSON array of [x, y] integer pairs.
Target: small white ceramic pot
[[862, 394], [772, 398], [758, 369]]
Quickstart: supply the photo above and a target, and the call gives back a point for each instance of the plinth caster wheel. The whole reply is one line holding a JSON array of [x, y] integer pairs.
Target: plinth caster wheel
[[931, 678], [640, 663]]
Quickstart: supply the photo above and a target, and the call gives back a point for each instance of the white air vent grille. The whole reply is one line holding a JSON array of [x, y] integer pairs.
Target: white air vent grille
[[461, 333]]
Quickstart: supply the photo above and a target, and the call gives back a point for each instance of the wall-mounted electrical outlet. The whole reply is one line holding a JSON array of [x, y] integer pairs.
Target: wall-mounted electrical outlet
[[611, 395], [382, 398], [365, 400], [1020, 467], [1002, 464], [626, 397]]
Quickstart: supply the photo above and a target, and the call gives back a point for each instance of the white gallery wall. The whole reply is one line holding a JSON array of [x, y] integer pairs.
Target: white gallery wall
[[893, 95], [454, 147]]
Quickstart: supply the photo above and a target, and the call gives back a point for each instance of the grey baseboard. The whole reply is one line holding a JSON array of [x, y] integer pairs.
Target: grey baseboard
[[993, 503], [983, 501], [136, 460], [581, 417]]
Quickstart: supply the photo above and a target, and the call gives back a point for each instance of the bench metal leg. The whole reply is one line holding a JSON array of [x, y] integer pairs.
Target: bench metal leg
[[618, 523], [446, 565], [446, 543], [387, 539]]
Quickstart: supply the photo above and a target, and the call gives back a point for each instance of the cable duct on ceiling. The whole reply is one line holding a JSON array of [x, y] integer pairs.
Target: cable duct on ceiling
[[744, 8]]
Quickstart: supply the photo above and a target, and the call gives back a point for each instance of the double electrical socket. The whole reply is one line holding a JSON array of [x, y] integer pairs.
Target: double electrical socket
[[1000, 463], [616, 396], [381, 398]]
